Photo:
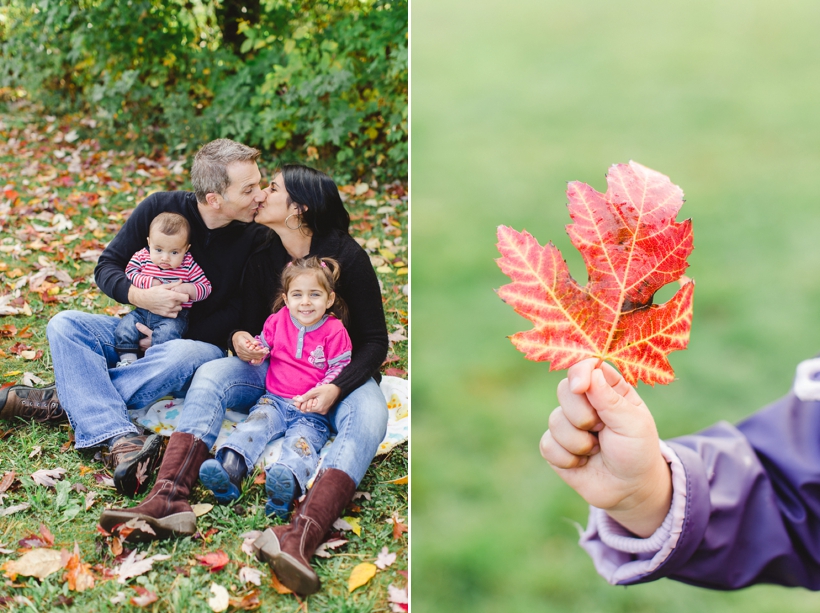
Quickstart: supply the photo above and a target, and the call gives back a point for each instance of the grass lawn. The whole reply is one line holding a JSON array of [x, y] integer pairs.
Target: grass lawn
[[509, 103], [64, 197]]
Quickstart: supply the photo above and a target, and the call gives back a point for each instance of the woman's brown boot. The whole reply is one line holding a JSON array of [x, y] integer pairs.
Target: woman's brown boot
[[288, 549], [165, 509]]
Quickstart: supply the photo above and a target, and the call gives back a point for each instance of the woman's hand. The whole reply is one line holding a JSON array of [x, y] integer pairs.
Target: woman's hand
[[603, 442], [248, 349], [318, 400]]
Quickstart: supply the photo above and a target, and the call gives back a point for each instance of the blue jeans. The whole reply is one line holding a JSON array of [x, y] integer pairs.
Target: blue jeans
[[95, 394], [269, 419], [359, 420], [165, 329]]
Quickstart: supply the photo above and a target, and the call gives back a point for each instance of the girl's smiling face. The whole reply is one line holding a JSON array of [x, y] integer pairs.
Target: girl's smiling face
[[307, 300]]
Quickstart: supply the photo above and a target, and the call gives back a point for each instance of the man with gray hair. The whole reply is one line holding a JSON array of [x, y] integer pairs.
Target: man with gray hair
[[94, 394]]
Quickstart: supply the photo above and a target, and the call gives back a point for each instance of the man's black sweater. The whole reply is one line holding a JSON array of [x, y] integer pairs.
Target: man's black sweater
[[221, 253]]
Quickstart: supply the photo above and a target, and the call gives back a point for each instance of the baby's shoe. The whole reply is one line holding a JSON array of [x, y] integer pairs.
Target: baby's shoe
[[224, 478], [280, 484]]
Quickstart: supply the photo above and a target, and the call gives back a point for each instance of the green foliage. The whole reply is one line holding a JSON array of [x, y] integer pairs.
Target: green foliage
[[322, 82]]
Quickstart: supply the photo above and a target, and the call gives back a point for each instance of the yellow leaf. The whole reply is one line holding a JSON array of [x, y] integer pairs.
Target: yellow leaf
[[202, 508], [355, 525], [14, 273], [360, 575], [387, 254], [13, 373], [399, 481]]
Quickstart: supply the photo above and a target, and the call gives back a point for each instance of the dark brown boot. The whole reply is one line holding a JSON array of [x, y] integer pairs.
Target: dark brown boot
[[165, 508], [288, 549], [31, 403], [133, 459]]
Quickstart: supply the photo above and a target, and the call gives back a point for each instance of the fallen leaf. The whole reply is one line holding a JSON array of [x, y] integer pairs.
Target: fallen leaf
[[201, 508], [247, 542], [35, 450], [399, 481], [349, 523], [89, 499], [134, 524], [219, 601], [632, 246], [38, 563], [398, 526], [145, 597], [250, 575], [136, 564], [248, 602], [321, 550], [77, 575], [48, 477], [385, 558], [6, 481], [214, 561], [361, 575], [13, 509], [397, 597], [48, 537], [279, 586]]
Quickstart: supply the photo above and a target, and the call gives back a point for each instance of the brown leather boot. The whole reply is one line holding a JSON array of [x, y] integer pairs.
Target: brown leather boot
[[31, 403], [288, 549], [133, 459], [165, 508]]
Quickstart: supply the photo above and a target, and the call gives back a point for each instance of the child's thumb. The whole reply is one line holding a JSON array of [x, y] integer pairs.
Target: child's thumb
[[616, 411]]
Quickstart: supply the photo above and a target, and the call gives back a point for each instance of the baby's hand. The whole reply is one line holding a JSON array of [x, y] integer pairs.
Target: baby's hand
[[603, 442]]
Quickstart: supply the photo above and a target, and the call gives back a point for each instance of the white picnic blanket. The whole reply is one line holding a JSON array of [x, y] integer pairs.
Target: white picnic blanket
[[162, 417]]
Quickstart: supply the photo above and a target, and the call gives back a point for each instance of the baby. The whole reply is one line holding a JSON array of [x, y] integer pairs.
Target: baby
[[165, 260]]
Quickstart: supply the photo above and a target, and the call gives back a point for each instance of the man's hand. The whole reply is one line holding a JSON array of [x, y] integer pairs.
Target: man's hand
[[603, 442], [162, 300], [248, 349], [318, 400], [189, 289]]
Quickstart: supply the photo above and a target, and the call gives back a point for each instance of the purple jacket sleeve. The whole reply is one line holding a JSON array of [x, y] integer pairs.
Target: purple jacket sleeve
[[752, 512]]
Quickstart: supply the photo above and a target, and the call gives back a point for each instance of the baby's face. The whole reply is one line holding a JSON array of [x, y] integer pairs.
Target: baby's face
[[167, 251]]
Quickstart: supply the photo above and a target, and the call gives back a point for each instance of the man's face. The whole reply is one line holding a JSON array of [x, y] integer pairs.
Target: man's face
[[243, 195]]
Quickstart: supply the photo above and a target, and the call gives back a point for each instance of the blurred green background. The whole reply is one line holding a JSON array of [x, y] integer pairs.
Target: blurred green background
[[511, 101]]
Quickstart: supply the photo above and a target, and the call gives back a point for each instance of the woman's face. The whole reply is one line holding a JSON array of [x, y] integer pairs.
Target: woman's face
[[275, 209]]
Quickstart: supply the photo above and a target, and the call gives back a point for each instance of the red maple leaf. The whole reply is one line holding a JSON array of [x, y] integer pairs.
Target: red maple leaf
[[214, 561], [632, 247]]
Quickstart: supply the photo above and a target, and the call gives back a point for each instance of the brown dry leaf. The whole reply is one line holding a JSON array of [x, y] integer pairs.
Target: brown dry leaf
[[398, 526], [6, 481], [78, 575], [361, 575], [38, 563], [279, 586], [248, 602], [145, 597], [136, 564], [48, 478]]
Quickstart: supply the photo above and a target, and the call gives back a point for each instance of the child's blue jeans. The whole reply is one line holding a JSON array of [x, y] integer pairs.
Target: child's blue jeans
[[272, 417], [127, 337]]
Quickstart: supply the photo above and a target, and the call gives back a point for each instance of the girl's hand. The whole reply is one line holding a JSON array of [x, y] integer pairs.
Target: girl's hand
[[248, 349], [603, 442], [318, 400]]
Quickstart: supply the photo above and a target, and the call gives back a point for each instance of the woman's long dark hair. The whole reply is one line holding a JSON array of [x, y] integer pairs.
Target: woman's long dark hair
[[317, 197]]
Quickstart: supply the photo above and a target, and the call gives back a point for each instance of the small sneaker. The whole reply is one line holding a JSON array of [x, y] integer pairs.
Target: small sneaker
[[215, 478], [133, 459], [31, 403], [280, 484], [124, 363]]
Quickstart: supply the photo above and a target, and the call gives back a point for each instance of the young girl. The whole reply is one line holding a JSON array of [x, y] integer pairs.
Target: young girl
[[308, 347], [726, 508]]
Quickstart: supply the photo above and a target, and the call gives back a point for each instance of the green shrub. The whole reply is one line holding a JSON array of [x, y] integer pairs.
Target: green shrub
[[322, 82]]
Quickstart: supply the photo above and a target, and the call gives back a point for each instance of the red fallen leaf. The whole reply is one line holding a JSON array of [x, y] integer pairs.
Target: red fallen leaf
[[47, 536], [395, 372], [19, 347], [215, 560], [8, 330], [145, 597], [11, 194], [398, 527], [631, 246]]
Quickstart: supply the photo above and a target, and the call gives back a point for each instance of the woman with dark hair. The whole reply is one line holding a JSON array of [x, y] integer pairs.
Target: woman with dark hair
[[306, 217]]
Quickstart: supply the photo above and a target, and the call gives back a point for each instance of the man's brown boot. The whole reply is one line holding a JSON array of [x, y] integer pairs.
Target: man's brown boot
[[31, 403], [165, 508], [133, 459], [288, 549]]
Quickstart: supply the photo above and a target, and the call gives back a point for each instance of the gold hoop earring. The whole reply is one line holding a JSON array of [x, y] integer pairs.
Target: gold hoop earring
[[299, 217]]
